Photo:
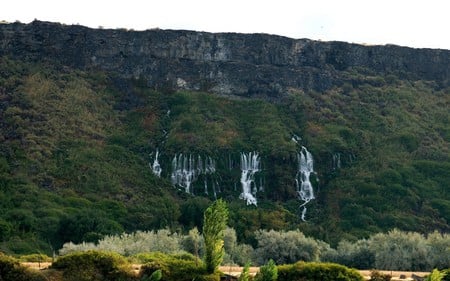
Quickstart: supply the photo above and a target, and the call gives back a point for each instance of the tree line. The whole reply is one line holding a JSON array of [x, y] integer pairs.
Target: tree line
[[394, 250]]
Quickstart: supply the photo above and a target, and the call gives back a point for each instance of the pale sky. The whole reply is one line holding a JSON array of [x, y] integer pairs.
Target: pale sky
[[414, 23]]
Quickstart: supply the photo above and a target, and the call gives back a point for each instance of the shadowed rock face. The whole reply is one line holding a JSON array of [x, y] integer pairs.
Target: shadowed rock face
[[223, 63]]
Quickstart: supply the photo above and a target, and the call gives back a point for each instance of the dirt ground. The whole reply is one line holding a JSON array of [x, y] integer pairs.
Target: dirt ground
[[236, 271]]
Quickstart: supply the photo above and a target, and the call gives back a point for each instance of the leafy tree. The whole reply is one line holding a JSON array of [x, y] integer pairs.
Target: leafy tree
[[285, 247], [162, 240], [399, 250], [355, 254], [193, 242], [439, 250], [236, 253], [215, 222]]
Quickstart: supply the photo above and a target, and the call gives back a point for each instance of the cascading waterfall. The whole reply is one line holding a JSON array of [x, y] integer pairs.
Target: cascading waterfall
[[250, 164], [156, 168], [304, 186], [185, 170]]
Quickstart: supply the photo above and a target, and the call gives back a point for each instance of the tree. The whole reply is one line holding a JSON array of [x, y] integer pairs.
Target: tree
[[245, 275], [214, 223], [285, 247], [435, 275], [267, 272]]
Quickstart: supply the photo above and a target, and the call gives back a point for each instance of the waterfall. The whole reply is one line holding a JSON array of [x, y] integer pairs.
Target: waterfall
[[250, 164], [186, 169], [304, 186], [156, 168], [336, 161], [183, 171]]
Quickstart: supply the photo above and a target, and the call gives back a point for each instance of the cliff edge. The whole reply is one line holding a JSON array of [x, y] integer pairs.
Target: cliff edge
[[223, 63]]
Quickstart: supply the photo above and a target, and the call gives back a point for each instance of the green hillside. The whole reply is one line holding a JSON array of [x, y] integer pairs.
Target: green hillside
[[77, 147]]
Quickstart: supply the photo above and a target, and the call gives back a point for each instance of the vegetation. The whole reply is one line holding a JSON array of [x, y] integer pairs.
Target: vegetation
[[75, 148], [175, 267], [395, 250], [317, 271], [93, 266], [435, 275], [245, 274], [267, 272], [11, 270], [215, 222], [378, 276]]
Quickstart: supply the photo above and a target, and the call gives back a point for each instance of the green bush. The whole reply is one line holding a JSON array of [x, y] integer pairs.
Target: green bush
[[302, 271], [174, 267], [11, 270], [93, 266]]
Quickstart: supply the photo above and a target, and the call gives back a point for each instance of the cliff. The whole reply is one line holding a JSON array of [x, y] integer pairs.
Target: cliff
[[224, 63], [89, 153]]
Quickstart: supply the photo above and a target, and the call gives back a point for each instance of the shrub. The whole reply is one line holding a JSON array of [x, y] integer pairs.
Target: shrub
[[93, 266], [174, 267], [378, 276], [11, 270], [302, 271]]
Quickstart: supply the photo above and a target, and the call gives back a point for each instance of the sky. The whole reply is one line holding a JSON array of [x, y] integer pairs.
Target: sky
[[413, 23]]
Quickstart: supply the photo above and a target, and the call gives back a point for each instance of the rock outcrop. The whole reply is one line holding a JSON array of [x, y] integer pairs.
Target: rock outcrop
[[224, 63]]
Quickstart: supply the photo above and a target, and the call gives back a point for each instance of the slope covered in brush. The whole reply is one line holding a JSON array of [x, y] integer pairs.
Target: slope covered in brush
[[78, 143]]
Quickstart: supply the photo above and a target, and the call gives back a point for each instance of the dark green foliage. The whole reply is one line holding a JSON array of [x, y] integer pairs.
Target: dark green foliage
[[75, 148], [355, 254], [11, 270], [302, 271], [93, 266]]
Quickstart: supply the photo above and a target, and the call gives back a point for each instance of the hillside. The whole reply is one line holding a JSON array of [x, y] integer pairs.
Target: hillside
[[84, 112]]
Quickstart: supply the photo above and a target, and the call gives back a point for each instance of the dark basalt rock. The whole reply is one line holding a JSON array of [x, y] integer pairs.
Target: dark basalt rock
[[223, 63]]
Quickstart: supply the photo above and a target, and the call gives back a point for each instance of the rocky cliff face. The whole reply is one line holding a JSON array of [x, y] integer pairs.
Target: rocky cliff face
[[224, 63]]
